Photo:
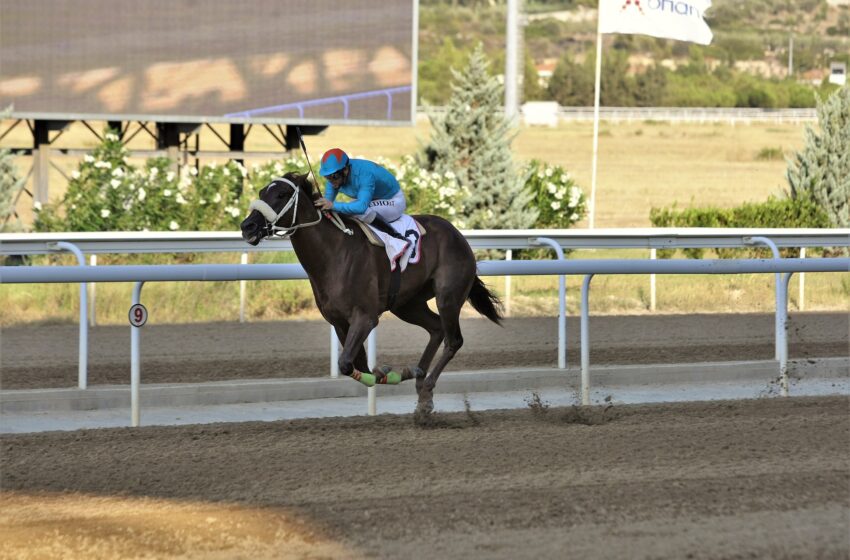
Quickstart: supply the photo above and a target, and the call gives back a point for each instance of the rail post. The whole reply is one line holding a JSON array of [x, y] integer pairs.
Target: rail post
[[334, 354], [781, 311], [372, 361], [83, 364], [92, 295], [653, 254], [585, 340], [801, 303], [562, 301], [783, 350], [508, 256], [242, 289], [135, 368]]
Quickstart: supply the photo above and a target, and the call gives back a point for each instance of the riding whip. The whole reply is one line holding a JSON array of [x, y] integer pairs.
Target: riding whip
[[334, 219], [304, 149]]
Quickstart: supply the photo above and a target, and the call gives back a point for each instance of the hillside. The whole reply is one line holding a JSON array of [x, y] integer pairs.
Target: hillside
[[752, 38]]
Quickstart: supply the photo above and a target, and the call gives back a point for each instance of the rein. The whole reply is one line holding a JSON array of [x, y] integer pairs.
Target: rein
[[284, 232]]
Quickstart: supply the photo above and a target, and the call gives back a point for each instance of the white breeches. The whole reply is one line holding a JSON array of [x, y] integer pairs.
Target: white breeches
[[389, 209]]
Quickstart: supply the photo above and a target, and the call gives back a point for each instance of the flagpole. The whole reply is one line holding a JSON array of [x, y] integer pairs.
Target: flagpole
[[596, 86]]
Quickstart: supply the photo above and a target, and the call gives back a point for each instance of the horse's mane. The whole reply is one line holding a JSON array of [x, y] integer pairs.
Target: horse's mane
[[305, 183]]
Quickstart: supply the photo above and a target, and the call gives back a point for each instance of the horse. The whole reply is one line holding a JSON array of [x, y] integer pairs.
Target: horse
[[351, 280]]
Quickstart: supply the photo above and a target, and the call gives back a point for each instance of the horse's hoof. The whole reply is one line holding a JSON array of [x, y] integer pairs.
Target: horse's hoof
[[412, 372], [425, 407]]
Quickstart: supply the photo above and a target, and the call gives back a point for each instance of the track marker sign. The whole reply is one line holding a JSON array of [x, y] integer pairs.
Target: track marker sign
[[138, 315]]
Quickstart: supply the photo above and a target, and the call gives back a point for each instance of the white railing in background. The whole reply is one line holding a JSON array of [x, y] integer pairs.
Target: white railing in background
[[589, 268], [731, 115], [622, 238], [628, 238]]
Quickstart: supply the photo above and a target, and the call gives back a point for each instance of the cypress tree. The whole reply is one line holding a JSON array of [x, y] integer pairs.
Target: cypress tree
[[821, 170], [473, 141]]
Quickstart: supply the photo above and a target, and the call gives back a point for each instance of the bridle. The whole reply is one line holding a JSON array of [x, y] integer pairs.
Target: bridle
[[271, 229]]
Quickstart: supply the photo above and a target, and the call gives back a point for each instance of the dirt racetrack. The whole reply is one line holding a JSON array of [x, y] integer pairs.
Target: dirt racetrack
[[767, 478], [46, 355]]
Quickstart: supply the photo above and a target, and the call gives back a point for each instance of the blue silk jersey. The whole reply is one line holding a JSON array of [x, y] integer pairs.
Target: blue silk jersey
[[367, 181]]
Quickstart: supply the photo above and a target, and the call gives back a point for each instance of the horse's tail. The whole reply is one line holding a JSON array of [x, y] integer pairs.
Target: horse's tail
[[485, 302]]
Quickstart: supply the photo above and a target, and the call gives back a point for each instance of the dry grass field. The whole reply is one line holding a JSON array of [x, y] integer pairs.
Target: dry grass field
[[641, 164]]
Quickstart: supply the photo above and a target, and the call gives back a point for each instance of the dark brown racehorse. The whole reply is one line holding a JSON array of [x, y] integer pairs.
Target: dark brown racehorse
[[351, 279]]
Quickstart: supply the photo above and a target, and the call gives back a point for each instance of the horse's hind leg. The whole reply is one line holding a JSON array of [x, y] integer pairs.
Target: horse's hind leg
[[418, 313], [449, 308]]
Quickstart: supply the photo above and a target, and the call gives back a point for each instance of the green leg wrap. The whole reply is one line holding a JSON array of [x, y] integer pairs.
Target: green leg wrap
[[392, 378], [366, 379]]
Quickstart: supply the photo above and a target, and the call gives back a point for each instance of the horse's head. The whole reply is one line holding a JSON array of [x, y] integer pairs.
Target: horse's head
[[277, 208]]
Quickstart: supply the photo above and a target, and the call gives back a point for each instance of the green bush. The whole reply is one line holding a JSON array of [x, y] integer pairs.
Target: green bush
[[802, 212], [769, 154], [213, 198], [108, 193], [559, 201], [101, 194], [429, 192], [262, 175]]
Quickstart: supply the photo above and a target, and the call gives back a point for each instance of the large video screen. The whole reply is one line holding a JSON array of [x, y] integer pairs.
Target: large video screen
[[279, 61]]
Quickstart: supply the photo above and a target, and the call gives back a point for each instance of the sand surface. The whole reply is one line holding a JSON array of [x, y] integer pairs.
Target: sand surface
[[767, 478]]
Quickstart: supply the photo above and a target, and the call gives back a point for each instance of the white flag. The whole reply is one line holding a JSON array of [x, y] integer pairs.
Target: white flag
[[668, 19]]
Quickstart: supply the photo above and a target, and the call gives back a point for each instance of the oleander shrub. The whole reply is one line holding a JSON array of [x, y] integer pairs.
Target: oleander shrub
[[109, 193], [559, 201]]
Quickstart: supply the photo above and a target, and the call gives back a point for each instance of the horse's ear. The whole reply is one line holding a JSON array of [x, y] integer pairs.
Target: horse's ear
[[311, 187]]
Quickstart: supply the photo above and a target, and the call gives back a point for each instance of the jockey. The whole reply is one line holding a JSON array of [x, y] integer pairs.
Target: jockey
[[378, 199]]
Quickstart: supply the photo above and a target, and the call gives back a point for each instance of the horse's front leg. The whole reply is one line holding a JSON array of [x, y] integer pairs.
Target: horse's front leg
[[352, 359], [361, 362]]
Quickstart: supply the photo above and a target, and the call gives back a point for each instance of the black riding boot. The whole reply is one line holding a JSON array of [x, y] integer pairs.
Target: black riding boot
[[380, 224]]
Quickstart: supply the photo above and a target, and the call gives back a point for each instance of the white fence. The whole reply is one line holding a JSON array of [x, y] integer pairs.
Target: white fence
[[634, 238], [653, 239], [638, 238], [731, 115], [141, 274]]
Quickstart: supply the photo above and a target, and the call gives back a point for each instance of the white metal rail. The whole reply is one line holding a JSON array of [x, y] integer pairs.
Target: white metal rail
[[652, 238], [731, 115], [627, 238], [142, 273]]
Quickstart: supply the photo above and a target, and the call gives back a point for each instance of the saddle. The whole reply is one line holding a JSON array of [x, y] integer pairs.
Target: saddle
[[373, 237]]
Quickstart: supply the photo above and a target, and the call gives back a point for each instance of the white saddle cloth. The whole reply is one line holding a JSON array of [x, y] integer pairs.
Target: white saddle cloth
[[401, 253]]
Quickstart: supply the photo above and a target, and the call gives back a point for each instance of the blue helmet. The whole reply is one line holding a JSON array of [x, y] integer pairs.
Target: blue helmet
[[333, 160]]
